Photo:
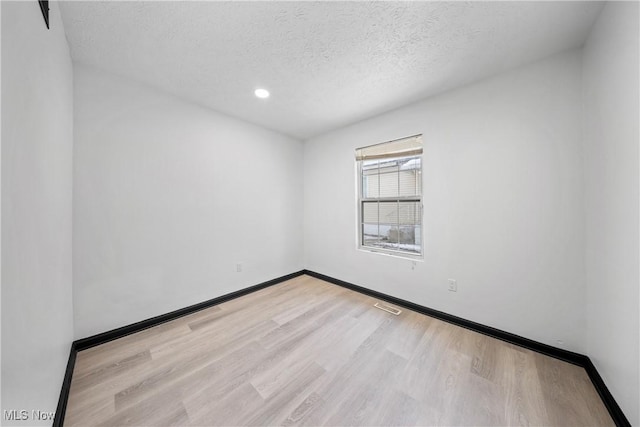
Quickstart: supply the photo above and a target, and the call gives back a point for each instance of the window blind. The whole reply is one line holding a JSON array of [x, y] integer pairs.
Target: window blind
[[410, 146]]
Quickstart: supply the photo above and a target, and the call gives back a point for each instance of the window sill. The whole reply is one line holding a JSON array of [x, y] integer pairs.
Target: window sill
[[393, 254]]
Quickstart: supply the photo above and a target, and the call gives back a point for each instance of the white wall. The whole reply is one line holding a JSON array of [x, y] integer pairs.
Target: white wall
[[168, 197], [37, 137], [611, 135], [503, 203]]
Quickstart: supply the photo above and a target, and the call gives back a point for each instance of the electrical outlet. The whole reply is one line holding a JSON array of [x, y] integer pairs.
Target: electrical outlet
[[238, 267], [453, 285]]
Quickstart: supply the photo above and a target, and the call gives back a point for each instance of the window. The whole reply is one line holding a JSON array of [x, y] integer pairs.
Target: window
[[390, 196]]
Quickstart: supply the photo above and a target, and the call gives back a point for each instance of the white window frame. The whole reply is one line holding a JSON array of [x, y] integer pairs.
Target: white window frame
[[415, 198]]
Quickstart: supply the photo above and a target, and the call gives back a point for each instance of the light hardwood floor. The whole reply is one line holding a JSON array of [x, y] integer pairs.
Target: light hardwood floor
[[306, 352]]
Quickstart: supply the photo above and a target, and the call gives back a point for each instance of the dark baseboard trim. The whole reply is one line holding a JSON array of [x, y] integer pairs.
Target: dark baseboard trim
[[58, 419], [575, 358], [85, 343], [614, 409], [92, 341], [568, 356]]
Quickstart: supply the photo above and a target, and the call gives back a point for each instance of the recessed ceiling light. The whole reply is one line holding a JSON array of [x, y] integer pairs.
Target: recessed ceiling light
[[262, 93]]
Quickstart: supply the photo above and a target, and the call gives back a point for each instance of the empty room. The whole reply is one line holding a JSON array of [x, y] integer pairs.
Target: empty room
[[320, 213]]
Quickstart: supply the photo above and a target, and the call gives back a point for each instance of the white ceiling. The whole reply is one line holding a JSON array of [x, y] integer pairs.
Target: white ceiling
[[327, 64]]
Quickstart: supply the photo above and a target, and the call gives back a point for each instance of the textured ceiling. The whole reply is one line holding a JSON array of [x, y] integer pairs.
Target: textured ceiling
[[327, 64]]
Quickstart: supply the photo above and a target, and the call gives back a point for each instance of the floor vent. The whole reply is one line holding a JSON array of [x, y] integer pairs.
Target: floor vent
[[388, 309]]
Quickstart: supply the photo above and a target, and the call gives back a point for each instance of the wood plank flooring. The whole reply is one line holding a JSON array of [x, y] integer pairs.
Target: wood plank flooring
[[306, 352]]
